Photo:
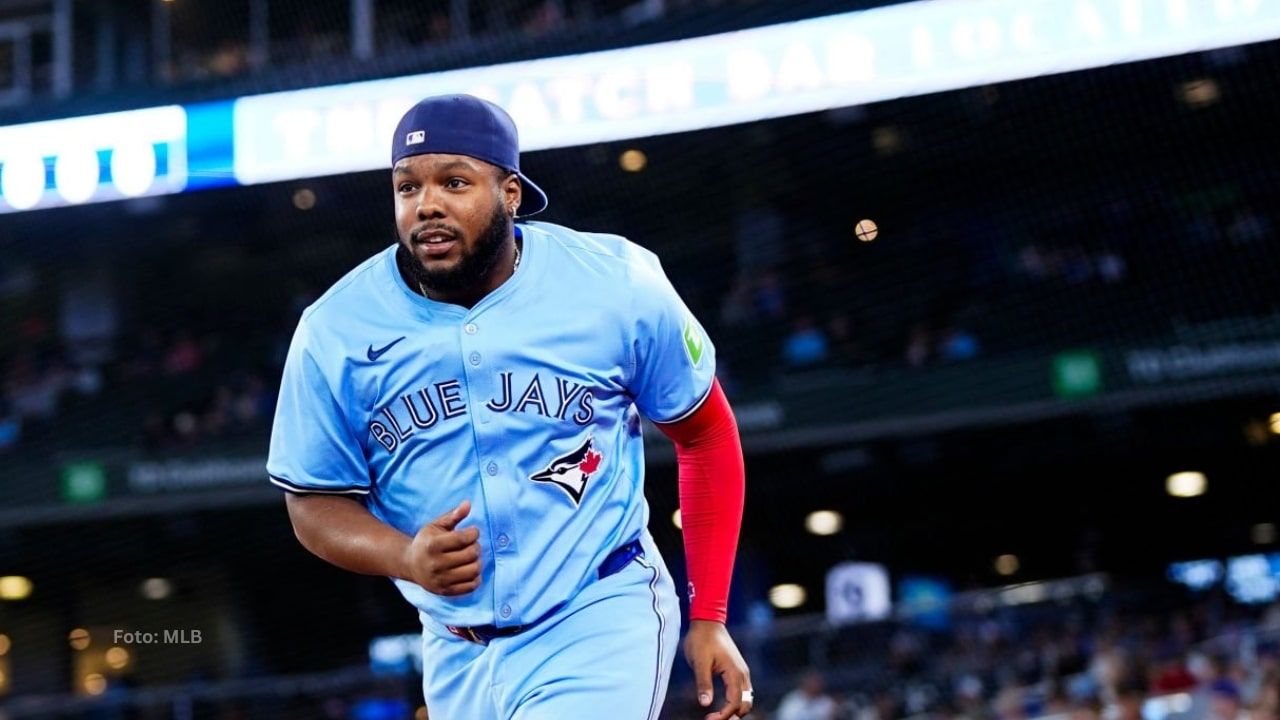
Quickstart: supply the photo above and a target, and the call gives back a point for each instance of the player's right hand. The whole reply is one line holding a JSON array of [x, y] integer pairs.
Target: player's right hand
[[443, 559]]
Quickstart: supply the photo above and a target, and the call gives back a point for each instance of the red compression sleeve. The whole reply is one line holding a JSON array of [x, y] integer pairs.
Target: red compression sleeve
[[712, 489]]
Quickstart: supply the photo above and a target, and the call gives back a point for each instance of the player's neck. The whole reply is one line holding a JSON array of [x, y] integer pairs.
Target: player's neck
[[468, 297]]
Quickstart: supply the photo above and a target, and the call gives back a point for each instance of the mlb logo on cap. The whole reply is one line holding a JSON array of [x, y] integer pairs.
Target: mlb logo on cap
[[415, 137]]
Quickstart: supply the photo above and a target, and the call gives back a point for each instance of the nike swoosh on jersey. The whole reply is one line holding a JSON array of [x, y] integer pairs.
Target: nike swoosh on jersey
[[375, 354]]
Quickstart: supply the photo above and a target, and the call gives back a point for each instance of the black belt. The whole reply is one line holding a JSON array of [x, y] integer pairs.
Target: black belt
[[482, 634]]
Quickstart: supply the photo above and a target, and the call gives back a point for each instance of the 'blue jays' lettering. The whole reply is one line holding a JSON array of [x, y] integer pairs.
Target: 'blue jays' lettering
[[426, 406]]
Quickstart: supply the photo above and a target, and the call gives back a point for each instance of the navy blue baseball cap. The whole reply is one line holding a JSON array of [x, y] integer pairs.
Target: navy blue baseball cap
[[466, 125]]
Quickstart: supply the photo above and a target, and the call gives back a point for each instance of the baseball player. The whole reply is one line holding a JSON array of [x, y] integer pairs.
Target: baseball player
[[461, 413]]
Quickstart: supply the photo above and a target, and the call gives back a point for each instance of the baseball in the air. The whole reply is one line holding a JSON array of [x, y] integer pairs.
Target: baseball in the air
[[866, 230]]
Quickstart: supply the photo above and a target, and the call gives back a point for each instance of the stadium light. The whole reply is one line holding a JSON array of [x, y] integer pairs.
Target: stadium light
[[117, 657], [79, 639], [156, 588], [1200, 93], [304, 199], [787, 596], [95, 684], [824, 522], [1263, 533], [633, 161], [1007, 564], [1186, 484], [15, 587]]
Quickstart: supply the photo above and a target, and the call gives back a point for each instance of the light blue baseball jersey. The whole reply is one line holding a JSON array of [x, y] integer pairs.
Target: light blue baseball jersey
[[527, 404]]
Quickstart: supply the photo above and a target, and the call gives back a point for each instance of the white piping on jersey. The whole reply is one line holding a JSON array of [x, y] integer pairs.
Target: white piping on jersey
[[684, 415], [304, 490], [659, 689]]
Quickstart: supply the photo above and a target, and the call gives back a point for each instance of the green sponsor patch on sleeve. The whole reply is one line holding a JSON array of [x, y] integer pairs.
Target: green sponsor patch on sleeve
[[694, 345]]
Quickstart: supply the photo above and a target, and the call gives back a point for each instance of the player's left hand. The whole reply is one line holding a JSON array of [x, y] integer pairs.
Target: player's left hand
[[710, 651]]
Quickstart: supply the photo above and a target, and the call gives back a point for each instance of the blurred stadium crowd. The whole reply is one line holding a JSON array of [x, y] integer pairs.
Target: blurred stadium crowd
[[1009, 223], [802, 297], [1077, 660]]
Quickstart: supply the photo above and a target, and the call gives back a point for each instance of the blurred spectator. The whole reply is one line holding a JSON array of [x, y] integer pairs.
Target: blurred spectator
[[806, 344], [1056, 703], [10, 425], [1248, 226], [1224, 701], [546, 17], [809, 701], [769, 297], [89, 319], [34, 387], [920, 349], [1089, 708], [1170, 674], [1266, 704], [845, 350], [148, 357], [1011, 702], [1111, 267], [956, 343], [883, 707], [184, 355], [736, 308], [759, 234]]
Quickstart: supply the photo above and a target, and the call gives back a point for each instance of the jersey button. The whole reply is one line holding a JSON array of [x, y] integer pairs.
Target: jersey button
[[506, 611], [475, 358], [492, 468], [503, 540], [470, 328]]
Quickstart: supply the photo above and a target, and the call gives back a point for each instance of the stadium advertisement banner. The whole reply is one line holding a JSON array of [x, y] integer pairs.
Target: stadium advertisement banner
[[1186, 362], [90, 477], [93, 158], [806, 66], [186, 474]]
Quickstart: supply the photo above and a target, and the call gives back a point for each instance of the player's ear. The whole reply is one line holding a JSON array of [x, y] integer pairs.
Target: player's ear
[[511, 191]]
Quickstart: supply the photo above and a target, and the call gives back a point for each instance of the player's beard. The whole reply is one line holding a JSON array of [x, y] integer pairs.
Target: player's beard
[[474, 264]]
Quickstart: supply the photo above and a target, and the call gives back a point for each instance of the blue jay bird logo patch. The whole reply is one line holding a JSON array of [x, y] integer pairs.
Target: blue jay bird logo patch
[[571, 471]]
